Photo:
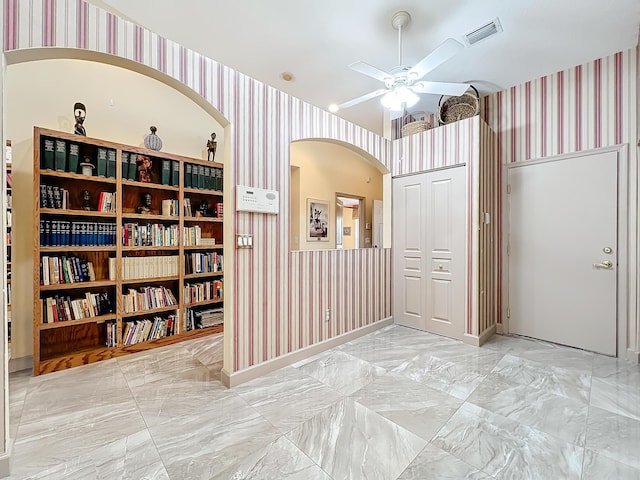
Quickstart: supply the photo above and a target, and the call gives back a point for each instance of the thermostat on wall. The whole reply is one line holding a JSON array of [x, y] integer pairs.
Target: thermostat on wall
[[260, 200]]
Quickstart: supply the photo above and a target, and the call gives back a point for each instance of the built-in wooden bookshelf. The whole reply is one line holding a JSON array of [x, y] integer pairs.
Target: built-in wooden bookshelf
[[110, 262]]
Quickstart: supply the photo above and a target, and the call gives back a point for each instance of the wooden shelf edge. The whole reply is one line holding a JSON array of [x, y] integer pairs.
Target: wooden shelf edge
[[97, 354], [77, 213], [155, 186], [204, 191], [133, 281], [77, 285], [81, 321], [66, 248], [142, 313], [203, 220], [217, 246], [77, 176], [201, 304], [193, 276]]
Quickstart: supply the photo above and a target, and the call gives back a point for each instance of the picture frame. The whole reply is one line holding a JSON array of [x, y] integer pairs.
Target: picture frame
[[317, 220]]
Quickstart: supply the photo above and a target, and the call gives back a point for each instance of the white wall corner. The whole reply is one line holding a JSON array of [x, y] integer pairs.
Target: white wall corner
[[478, 341], [633, 356], [4, 465], [500, 329]]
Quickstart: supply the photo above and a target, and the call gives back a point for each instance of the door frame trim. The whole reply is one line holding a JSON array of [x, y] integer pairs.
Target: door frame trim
[[626, 294]]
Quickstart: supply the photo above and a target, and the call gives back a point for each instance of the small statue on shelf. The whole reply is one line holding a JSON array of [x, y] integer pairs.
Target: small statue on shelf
[[203, 208], [144, 168], [80, 112], [86, 200], [147, 200], [212, 145]]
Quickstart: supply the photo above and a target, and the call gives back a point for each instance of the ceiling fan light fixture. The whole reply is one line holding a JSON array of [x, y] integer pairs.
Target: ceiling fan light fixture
[[399, 97]]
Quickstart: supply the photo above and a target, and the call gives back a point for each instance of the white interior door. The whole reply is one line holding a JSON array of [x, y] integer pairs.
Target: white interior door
[[563, 251], [429, 239], [446, 241], [409, 218]]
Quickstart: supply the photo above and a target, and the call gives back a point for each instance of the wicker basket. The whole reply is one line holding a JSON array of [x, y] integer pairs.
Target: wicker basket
[[458, 108], [415, 126]]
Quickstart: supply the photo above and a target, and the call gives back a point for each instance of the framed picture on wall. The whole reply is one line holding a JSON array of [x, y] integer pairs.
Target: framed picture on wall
[[318, 220]]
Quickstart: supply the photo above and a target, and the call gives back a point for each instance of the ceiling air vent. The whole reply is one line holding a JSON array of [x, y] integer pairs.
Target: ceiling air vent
[[485, 31]]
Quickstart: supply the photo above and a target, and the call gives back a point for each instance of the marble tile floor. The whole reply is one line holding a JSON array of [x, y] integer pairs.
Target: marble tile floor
[[395, 404]]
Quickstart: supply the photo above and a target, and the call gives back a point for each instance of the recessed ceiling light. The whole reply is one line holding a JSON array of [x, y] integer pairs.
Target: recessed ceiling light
[[287, 76], [333, 108]]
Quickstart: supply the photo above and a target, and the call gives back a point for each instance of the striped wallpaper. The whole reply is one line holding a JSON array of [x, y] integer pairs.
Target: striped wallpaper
[[277, 305], [279, 296]]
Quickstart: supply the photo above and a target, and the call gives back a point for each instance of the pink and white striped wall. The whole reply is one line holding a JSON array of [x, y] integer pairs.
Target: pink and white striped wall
[[279, 296]]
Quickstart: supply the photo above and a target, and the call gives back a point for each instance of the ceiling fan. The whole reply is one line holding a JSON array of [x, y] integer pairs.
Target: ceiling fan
[[403, 83]]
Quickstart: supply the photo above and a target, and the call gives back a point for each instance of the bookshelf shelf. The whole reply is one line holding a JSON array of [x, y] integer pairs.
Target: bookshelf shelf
[[192, 276], [217, 246], [203, 303], [67, 344], [203, 220], [76, 213], [76, 285], [76, 176], [133, 281], [151, 312], [82, 321]]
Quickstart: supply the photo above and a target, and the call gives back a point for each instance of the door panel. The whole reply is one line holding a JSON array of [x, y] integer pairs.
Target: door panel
[[408, 271], [446, 240], [429, 239], [562, 221]]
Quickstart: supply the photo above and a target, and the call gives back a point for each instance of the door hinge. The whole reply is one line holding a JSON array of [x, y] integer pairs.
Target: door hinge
[[508, 249], [508, 188], [508, 313]]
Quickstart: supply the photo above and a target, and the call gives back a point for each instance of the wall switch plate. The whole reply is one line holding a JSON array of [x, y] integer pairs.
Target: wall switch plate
[[244, 241]]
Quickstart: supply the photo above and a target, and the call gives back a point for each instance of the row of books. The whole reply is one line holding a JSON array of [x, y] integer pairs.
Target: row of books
[[215, 211], [203, 318], [107, 202], [63, 156], [62, 309], [170, 172], [53, 196], [150, 235], [202, 262], [203, 177], [112, 334], [147, 298], [201, 292], [147, 329], [192, 235], [58, 233], [63, 269], [134, 268], [170, 208]]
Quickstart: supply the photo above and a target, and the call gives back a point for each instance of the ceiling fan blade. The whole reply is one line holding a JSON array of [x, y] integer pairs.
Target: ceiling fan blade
[[363, 98], [441, 54], [370, 71], [440, 88]]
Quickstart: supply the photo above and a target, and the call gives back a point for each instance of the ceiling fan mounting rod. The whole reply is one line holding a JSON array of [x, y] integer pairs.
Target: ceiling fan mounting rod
[[399, 21]]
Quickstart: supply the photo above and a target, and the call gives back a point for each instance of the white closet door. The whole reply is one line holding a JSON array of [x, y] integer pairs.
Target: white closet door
[[429, 241]]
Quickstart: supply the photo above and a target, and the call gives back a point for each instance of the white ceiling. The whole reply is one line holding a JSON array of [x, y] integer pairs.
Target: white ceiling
[[317, 40]]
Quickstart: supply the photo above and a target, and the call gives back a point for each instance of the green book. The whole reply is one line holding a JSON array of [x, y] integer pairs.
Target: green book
[[207, 178], [124, 165], [175, 173], [200, 176], [166, 171], [111, 163], [133, 166], [61, 155], [74, 155], [218, 179], [48, 149], [102, 162], [187, 175]]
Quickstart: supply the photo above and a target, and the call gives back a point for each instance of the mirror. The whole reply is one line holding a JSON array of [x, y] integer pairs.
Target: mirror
[[333, 189]]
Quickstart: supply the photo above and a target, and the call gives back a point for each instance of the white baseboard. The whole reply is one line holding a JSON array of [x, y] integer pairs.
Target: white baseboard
[[242, 376], [479, 341], [22, 363], [633, 356]]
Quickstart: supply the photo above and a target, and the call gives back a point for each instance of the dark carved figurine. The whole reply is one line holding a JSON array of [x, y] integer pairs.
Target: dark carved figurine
[[203, 208], [212, 145], [86, 200], [80, 112], [146, 203]]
